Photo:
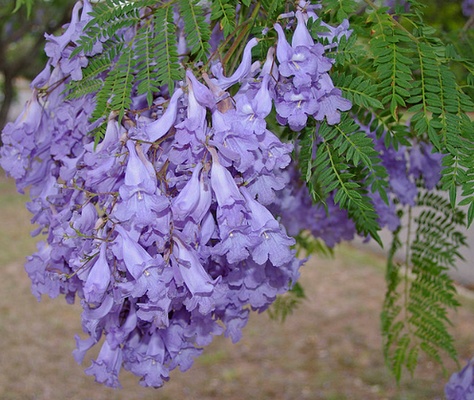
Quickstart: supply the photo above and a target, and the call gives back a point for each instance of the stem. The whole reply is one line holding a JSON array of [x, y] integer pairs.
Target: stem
[[469, 24], [8, 95], [241, 38], [395, 22], [407, 263]]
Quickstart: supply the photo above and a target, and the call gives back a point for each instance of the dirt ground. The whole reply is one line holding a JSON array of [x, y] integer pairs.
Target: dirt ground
[[330, 348]]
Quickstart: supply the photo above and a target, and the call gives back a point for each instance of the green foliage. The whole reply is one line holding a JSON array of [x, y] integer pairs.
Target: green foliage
[[391, 60], [108, 17], [272, 8], [166, 69], [406, 72], [359, 90], [340, 9], [224, 12], [28, 4], [419, 294], [119, 70], [196, 29], [345, 164], [415, 76], [285, 304], [307, 244]]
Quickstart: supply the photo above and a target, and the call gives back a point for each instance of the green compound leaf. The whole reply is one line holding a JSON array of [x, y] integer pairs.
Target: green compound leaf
[[415, 312], [196, 28], [224, 12], [285, 304]]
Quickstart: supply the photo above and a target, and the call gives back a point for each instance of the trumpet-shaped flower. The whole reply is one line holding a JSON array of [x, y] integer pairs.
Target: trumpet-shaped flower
[[461, 384], [98, 279]]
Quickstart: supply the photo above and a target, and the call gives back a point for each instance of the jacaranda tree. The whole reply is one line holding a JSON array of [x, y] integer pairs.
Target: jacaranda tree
[[179, 154]]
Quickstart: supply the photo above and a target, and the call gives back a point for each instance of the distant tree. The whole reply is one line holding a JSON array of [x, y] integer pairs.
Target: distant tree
[[22, 32]]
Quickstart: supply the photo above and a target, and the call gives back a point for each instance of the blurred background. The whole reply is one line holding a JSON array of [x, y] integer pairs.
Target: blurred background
[[329, 348], [21, 45]]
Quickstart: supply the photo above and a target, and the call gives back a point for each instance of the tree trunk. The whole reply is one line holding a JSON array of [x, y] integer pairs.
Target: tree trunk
[[8, 94]]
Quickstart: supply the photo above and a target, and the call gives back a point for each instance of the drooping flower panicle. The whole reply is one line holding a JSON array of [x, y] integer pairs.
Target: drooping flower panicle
[[179, 221]]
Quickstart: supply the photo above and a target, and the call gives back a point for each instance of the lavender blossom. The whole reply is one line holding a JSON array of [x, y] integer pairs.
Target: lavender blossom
[[461, 384], [305, 88], [107, 366], [98, 279], [467, 7], [242, 70], [426, 164], [147, 360], [141, 200], [190, 270]]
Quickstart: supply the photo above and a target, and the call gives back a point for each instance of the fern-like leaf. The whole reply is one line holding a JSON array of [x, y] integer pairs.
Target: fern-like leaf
[[285, 304], [414, 317], [157, 55], [94, 74], [361, 92], [391, 60], [334, 174], [224, 12], [196, 28], [107, 18], [272, 8], [341, 9]]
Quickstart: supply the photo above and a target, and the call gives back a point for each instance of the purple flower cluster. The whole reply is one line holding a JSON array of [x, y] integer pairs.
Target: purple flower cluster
[[27, 143], [304, 86], [461, 384], [404, 167], [166, 229], [468, 7], [297, 212]]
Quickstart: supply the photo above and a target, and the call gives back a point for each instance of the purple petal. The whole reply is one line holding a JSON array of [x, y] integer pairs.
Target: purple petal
[[284, 51], [135, 257], [242, 70], [107, 366], [329, 107], [188, 199], [56, 44], [201, 92], [301, 36], [197, 280], [139, 171], [82, 347], [260, 214], [159, 128], [99, 278], [262, 103], [461, 384], [236, 244], [222, 183]]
